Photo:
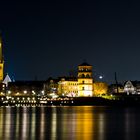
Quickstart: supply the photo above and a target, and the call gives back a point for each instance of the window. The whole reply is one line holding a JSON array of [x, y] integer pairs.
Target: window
[[83, 75]]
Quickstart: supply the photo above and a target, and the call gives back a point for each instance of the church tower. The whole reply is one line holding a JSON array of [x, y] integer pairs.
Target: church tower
[[1, 60], [85, 80]]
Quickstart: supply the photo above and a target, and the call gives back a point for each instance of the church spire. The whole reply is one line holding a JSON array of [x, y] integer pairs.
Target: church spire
[[1, 44], [1, 59]]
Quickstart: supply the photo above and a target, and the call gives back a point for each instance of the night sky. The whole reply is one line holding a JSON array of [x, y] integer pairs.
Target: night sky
[[49, 39]]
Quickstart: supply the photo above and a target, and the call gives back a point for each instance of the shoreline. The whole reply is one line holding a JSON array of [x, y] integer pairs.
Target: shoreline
[[77, 101]]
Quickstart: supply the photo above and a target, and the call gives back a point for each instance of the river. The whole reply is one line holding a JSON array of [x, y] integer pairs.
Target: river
[[69, 123]]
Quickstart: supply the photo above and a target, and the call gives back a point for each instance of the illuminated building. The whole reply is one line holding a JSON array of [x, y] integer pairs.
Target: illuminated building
[[26, 88], [129, 88], [6, 80], [51, 86], [68, 86], [85, 80], [113, 88], [1, 61], [80, 86], [132, 87], [100, 88]]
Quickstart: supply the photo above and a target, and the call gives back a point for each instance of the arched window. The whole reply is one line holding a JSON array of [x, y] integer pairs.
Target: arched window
[[87, 76], [83, 76]]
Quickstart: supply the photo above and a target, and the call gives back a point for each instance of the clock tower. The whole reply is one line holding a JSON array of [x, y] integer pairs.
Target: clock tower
[[1, 60]]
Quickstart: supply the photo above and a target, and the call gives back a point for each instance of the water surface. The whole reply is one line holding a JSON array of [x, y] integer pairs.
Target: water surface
[[69, 123]]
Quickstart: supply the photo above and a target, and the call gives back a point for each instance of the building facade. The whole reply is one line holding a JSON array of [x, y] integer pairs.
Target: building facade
[[85, 80], [80, 86], [1, 60], [100, 88], [68, 86], [132, 87]]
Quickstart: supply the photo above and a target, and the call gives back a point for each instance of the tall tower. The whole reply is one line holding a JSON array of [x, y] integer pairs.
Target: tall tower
[[85, 80], [1, 60]]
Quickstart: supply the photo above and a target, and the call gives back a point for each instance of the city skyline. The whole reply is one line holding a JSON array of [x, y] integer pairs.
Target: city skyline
[[49, 39]]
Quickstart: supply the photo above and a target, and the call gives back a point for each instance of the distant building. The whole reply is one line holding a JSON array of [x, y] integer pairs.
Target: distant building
[[6, 80], [2, 89], [80, 86], [132, 87], [26, 88], [116, 88], [51, 86]]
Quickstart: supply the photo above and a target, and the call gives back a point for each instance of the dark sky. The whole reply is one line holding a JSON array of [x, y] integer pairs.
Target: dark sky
[[46, 39]]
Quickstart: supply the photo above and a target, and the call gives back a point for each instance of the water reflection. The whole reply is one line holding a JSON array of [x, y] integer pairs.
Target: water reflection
[[7, 124], [42, 124], [1, 123], [101, 125], [131, 125], [84, 124], [54, 124], [68, 123], [17, 117]]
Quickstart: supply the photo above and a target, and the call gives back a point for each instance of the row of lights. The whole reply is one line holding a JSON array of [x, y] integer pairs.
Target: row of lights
[[25, 92], [33, 101], [23, 98]]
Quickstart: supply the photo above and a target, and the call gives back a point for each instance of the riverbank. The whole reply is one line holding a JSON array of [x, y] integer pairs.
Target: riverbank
[[73, 101]]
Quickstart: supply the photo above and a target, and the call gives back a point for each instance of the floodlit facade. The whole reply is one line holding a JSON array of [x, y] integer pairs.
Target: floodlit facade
[[85, 80], [1, 61], [129, 88], [68, 86], [82, 85], [100, 88], [132, 87]]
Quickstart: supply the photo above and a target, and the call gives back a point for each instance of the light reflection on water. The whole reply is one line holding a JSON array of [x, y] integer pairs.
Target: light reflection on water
[[69, 123]]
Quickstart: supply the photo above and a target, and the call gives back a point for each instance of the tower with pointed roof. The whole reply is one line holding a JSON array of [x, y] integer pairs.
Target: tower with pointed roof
[[85, 80], [1, 60]]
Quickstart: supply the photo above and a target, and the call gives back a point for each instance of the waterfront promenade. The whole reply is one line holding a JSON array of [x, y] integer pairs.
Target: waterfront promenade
[[133, 100]]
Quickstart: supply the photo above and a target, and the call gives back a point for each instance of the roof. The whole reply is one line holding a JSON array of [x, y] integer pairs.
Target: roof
[[68, 78], [84, 64], [134, 83]]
